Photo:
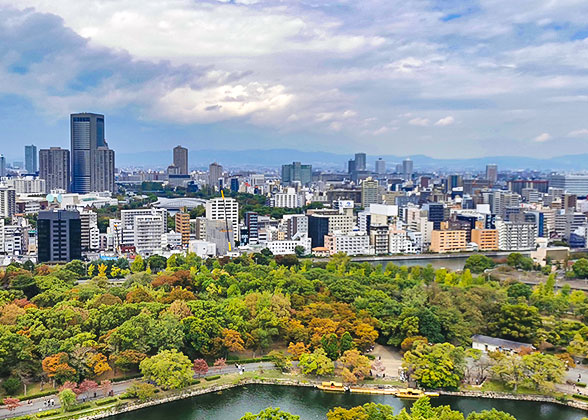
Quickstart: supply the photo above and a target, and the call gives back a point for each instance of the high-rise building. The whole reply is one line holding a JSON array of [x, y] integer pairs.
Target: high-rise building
[[226, 209], [360, 162], [89, 230], [7, 201], [181, 159], [215, 173], [492, 173], [370, 192], [2, 166], [31, 159], [92, 163], [251, 220], [407, 168], [296, 172], [183, 227], [380, 166], [59, 236], [54, 168], [103, 170]]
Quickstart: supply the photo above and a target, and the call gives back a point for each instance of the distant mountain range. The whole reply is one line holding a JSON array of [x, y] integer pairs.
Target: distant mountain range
[[274, 158]]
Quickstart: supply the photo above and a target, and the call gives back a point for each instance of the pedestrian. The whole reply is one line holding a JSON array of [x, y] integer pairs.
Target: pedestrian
[[52, 401]]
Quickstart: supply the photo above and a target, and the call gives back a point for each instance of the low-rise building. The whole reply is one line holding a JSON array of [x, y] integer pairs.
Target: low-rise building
[[486, 239], [443, 241]]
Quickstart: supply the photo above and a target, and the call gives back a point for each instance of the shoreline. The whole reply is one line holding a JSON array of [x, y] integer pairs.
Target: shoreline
[[128, 407]]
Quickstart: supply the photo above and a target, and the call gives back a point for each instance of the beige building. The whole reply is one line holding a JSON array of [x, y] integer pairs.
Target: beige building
[[448, 241], [486, 239]]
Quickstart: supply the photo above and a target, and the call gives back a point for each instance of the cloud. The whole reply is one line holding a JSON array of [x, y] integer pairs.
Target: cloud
[[543, 137], [421, 122], [443, 122], [583, 132]]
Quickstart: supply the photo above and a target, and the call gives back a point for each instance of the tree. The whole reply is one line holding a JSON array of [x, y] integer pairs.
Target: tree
[[11, 385], [87, 386], [369, 411], [128, 359], [67, 398], [490, 415], [220, 363], [297, 350], [169, 369], [356, 364], [544, 370], [518, 260], [106, 387], [316, 363], [200, 367], [141, 390], [232, 341], [580, 268], [509, 369], [281, 361], [516, 322], [478, 263], [435, 366], [378, 367], [138, 264], [11, 403], [300, 251], [270, 414]]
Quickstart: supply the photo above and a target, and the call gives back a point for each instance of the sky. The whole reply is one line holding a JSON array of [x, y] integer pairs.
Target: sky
[[446, 78]]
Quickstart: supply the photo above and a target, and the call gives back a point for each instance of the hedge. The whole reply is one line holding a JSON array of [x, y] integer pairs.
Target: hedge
[[126, 378], [194, 381], [48, 413], [256, 360], [581, 384], [212, 378], [79, 407], [38, 395], [106, 401], [581, 397]]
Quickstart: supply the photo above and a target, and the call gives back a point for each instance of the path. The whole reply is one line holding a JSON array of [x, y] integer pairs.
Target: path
[[391, 359]]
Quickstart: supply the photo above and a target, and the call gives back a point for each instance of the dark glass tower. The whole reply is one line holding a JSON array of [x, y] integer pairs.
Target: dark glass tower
[[87, 134]]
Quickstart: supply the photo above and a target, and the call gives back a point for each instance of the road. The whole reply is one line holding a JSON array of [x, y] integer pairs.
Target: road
[[39, 404]]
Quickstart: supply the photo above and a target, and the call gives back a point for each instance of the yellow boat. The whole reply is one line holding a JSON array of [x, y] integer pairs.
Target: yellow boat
[[411, 393], [331, 387]]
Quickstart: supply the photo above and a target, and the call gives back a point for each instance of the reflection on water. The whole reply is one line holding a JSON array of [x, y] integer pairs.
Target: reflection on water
[[312, 404]]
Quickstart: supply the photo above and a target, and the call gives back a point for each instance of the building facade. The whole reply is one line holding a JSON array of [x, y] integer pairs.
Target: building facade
[[54, 168], [59, 237]]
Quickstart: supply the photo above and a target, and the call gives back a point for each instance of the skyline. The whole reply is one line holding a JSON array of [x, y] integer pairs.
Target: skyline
[[473, 79]]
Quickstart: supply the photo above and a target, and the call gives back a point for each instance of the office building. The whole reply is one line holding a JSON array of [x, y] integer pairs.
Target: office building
[[370, 192], [296, 172], [516, 236], [215, 174], [59, 237], [92, 163], [183, 227], [2, 166], [407, 169], [181, 160], [486, 239], [572, 184], [27, 185], [360, 162], [7, 201], [226, 209], [352, 243], [380, 166], [54, 168], [287, 199], [251, 220], [90, 234], [103, 170], [492, 173], [296, 225], [436, 214], [31, 159]]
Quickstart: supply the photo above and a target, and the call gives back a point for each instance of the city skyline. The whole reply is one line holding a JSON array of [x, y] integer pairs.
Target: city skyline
[[476, 79]]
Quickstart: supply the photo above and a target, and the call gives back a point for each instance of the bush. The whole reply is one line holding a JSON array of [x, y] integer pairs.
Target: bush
[[106, 401], [212, 378], [48, 413], [194, 382], [126, 378], [232, 359], [79, 407], [581, 384], [581, 397]]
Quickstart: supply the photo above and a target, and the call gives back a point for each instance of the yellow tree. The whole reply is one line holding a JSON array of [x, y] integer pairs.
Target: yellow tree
[[232, 341]]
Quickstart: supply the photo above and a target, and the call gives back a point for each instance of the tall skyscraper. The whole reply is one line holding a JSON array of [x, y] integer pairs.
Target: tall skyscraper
[[54, 168], [380, 166], [360, 161], [407, 168], [181, 159], [87, 136], [31, 159], [369, 192], [2, 165], [7, 201], [59, 236], [296, 172], [215, 172], [492, 173]]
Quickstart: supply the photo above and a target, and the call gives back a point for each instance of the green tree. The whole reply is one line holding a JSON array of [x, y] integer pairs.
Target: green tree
[[270, 414], [580, 268], [518, 260], [435, 366], [490, 415], [169, 369], [67, 398], [517, 322], [138, 265], [141, 390], [477, 263], [316, 363]]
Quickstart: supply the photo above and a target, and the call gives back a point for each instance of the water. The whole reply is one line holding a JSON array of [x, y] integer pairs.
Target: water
[[453, 264], [312, 404]]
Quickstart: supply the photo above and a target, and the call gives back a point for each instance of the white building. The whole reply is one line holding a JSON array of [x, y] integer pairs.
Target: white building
[[171, 240], [27, 185], [405, 242], [287, 199], [516, 236], [203, 249], [224, 209], [7, 201], [142, 228], [90, 231], [289, 247], [352, 243]]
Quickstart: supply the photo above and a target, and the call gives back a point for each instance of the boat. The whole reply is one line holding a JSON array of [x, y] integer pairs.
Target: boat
[[413, 394], [332, 387]]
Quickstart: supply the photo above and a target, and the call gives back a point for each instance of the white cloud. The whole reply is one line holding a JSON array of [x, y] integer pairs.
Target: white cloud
[[421, 122], [583, 132], [443, 122], [543, 137]]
